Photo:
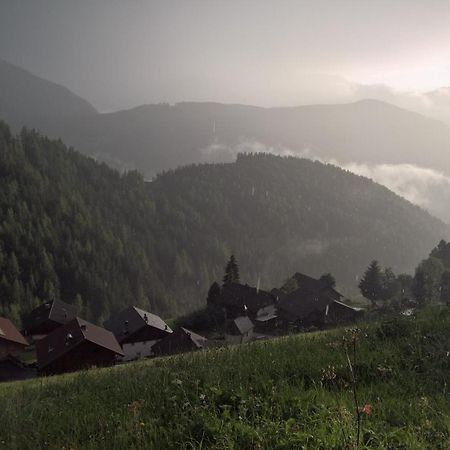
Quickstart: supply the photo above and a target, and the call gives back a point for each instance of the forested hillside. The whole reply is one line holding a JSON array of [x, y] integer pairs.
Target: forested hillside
[[75, 229]]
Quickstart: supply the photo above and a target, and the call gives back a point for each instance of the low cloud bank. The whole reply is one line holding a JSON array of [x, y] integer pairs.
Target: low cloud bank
[[425, 187], [422, 186]]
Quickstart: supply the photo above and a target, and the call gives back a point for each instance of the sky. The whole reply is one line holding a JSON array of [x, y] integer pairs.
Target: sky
[[122, 53]]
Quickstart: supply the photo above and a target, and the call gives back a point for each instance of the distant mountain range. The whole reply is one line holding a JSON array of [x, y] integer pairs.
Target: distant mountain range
[[406, 151], [153, 138], [74, 229]]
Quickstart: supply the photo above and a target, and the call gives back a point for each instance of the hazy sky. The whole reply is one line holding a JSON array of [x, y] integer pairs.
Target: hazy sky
[[122, 53]]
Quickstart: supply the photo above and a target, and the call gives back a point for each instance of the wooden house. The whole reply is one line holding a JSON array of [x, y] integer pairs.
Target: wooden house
[[76, 345], [313, 303], [47, 317], [180, 341], [243, 300], [137, 331], [12, 343], [239, 330]]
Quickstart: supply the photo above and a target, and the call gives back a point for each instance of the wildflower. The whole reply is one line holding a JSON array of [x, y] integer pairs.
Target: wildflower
[[366, 409], [329, 373], [142, 424], [133, 408]]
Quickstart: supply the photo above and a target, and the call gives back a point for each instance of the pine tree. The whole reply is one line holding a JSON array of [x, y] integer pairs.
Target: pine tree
[[389, 284], [328, 280], [371, 283], [231, 272]]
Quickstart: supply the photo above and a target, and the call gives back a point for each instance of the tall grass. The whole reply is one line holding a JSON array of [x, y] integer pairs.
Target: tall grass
[[266, 395]]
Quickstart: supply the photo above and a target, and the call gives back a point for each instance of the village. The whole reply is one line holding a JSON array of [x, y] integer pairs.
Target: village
[[60, 341]]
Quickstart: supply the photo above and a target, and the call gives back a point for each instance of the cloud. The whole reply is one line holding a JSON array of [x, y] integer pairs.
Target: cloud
[[422, 186], [221, 152]]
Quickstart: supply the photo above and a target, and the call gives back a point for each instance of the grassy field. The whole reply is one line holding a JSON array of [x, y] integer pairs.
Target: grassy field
[[290, 393]]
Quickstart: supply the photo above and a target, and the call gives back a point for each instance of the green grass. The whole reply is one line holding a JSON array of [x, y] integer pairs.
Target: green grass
[[265, 395]]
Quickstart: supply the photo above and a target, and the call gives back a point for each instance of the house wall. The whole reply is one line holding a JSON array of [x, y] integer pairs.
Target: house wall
[[137, 350], [239, 338], [83, 356], [10, 348]]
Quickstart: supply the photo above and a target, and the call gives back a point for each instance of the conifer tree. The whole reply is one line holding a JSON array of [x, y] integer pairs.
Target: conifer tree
[[328, 279], [231, 272], [371, 284]]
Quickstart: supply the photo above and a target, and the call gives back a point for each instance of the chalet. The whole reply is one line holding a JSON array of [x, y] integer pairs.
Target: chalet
[[12, 369], [137, 331], [74, 346], [239, 330], [313, 304], [47, 317], [180, 341], [12, 343], [243, 300]]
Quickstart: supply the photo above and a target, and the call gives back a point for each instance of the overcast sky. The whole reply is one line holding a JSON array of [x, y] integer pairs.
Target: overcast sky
[[122, 53]]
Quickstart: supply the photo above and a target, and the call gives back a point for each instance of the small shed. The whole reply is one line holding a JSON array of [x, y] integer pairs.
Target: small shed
[[47, 317], [76, 345], [12, 343], [137, 331], [239, 330], [180, 341]]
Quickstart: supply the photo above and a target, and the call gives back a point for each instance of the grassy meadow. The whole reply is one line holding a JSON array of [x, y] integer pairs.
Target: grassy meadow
[[294, 392]]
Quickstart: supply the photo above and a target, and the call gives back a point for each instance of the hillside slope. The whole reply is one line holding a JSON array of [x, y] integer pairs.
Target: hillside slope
[[289, 393], [157, 137], [76, 229], [27, 100]]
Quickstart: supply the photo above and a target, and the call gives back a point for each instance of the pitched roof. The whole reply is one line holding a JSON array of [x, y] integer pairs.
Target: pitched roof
[[199, 341], [133, 320], [242, 296], [241, 325], [180, 340], [68, 336], [311, 285], [56, 311], [344, 305], [267, 313], [9, 332]]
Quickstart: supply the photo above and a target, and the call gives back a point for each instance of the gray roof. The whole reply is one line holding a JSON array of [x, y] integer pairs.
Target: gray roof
[[268, 313], [241, 325], [136, 324], [48, 315]]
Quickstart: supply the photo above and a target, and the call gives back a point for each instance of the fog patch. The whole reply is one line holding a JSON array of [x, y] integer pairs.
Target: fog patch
[[222, 152], [425, 187]]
